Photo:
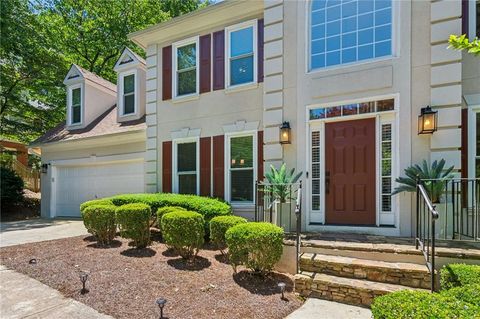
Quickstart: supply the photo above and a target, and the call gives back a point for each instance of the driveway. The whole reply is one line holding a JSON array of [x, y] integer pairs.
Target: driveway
[[29, 231]]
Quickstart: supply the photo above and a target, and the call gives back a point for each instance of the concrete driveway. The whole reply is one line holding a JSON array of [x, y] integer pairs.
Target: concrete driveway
[[29, 231]]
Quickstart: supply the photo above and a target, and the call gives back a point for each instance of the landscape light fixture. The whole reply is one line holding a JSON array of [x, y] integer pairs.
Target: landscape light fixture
[[32, 261], [285, 133], [83, 279], [427, 120], [161, 303], [282, 287]]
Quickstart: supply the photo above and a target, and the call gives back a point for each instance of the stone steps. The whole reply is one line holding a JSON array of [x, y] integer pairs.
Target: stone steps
[[406, 274], [345, 290]]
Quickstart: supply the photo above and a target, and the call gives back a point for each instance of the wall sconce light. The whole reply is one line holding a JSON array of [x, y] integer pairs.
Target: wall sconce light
[[285, 133], [44, 168], [427, 121]]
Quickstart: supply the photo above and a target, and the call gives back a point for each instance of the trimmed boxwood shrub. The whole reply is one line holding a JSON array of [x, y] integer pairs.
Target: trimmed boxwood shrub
[[219, 226], [134, 223], [99, 220], [467, 293], [407, 304], [95, 202], [258, 246], [184, 231], [164, 210], [455, 275]]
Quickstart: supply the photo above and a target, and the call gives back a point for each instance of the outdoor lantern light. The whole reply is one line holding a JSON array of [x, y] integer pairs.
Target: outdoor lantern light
[[44, 168], [83, 279], [161, 303], [427, 121], [282, 286], [285, 133], [32, 261]]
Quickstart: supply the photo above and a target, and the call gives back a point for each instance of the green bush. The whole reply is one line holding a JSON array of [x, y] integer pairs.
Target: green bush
[[258, 246], [134, 223], [467, 293], [11, 187], [408, 304], [95, 202], [165, 210], [455, 275], [219, 226], [100, 222], [184, 231]]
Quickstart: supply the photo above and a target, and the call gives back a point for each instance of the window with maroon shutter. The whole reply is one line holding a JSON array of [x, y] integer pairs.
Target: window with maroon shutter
[[205, 57], [167, 167], [219, 60], [260, 50], [218, 166], [205, 165], [167, 73]]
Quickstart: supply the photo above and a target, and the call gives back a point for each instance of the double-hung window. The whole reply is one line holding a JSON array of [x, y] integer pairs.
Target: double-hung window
[[76, 105], [128, 101], [242, 168], [241, 54], [186, 68], [186, 167]]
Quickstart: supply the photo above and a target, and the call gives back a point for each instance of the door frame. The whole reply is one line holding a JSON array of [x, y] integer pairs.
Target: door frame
[[387, 117]]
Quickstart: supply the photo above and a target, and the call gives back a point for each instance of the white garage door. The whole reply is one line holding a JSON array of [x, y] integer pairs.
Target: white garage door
[[77, 184]]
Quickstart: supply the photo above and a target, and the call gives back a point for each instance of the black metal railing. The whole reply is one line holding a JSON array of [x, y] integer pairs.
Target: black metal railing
[[427, 216]]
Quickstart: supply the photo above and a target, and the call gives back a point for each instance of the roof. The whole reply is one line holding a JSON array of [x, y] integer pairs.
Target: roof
[[87, 75], [104, 125]]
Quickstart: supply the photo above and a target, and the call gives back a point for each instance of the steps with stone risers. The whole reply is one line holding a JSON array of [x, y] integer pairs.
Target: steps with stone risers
[[406, 274], [345, 290]]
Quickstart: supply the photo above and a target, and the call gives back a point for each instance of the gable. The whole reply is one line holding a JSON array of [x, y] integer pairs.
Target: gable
[[73, 74], [128, 58]]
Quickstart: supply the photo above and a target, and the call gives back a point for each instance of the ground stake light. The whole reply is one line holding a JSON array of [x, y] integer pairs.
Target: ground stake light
[[83, 279], [282, 287], [161, 303]]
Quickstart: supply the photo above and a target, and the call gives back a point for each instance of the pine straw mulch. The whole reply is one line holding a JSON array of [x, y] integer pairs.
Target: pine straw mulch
[[124, 282]]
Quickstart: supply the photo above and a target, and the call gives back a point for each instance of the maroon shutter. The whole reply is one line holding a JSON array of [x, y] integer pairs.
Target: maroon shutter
[[465, 14], [167, 73], [464, 144], [260, 50], [219, 60], [167, 167], [260, 155], [205, 53], [218, 166], [205, 170]]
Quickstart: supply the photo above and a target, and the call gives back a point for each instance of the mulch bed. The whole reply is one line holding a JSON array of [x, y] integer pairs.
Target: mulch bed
[[124, 282]]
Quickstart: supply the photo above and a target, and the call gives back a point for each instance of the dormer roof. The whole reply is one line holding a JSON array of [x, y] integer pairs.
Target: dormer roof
[[78, 73], [128, 58]]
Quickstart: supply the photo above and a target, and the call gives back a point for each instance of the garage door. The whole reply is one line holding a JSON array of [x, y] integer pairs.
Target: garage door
[[78, 184]]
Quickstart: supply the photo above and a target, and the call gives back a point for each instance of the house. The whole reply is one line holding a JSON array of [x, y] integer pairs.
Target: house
[[202, 113]]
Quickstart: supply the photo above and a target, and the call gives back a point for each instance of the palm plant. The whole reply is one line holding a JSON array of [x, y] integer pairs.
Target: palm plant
[[280, 181], [434, 178]]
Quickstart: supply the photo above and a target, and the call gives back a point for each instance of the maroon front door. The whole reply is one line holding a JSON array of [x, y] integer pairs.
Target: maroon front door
[[350, 172]]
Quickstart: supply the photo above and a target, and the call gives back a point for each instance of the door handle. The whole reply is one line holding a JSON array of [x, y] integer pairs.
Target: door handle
[[327, 182]]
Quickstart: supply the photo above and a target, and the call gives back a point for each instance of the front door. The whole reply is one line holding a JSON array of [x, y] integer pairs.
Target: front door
[[350, 172]]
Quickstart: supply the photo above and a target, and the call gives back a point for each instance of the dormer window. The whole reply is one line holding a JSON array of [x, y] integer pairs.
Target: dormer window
[[75, 101], [128, 101], [241, 54], [185, 61]]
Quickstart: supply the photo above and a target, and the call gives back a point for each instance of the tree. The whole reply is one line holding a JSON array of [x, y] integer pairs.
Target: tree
[[463, 43]]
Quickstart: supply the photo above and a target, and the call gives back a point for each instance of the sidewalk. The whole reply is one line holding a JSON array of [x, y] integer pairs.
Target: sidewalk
[[24, 297], [324, 309]]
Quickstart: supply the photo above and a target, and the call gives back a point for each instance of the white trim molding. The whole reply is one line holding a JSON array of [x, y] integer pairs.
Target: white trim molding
[[240, 126], [121, 100], [175, 47], [70, 89], [175, 180], [185, 133]]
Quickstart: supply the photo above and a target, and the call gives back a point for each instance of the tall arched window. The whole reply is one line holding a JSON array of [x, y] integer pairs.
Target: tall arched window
[[349, 31]]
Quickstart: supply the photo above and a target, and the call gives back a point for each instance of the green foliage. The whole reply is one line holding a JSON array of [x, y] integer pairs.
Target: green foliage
[[457, 275], [184, 231], [463, 43], [469, 293], [435, 171], [165, 210], [11, 187], [134, 223], [95, 202], [281, 180], [258, 246], [100, 222], [219, 226], [407, 304]]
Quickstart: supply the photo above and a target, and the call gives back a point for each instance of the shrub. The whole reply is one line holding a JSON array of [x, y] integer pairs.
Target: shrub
[[258, 246], [407, 304], [184, 231], [100, 222], [165, 210], [468, 293], [11, 188], [455, 275], [95, 202], [219, 226], [134, 223]]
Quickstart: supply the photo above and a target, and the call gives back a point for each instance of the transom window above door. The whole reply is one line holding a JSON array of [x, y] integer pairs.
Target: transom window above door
[[186, 172], [241, 53], [186, 68], [344, 32], [352, 109]]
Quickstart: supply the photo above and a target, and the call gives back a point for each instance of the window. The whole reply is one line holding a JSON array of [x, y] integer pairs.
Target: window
[[76, 105], [185, 66], [352, 109], [128, 94], [386, 167], [242, 169], [241, 53], [349, 31], [186, 163]]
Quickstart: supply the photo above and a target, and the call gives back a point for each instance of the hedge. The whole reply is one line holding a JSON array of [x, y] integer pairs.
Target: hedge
[[258, 246], [184, 231], [407, 304], [95, 202], [468, 293], [99, 220], [134, 223], [164, 210], [219, 226], [456, 275]]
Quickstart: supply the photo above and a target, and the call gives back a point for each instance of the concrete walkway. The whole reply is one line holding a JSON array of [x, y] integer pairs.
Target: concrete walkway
[[29, 231], [323, 309], [24, 297]]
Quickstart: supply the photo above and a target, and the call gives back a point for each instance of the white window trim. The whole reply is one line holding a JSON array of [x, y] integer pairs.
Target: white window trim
[[70, 106], [196, 140], [175, 47], [228, 31], [472, 20], [228, 195], [472, 141], [121, 93]]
